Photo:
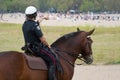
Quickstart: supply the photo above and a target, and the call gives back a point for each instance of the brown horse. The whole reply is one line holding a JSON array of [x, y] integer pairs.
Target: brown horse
[[13, 65]]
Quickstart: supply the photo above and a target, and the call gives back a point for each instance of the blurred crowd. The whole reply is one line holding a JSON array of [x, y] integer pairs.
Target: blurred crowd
[[20, 17], [82, 16]]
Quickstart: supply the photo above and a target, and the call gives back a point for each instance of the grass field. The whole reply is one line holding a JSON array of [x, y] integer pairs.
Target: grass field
[[106, 46]]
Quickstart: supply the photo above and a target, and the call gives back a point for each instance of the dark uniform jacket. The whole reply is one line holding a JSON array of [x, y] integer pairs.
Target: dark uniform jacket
[[32, 32]]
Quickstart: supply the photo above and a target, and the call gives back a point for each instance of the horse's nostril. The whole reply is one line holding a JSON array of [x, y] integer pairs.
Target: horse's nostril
[[89, 60]]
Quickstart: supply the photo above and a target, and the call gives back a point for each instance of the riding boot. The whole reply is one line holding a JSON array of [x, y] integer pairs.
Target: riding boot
[[51, 75]]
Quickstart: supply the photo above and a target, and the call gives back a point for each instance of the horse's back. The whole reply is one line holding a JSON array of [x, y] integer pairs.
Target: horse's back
[[13, 66], [11, 63], [10, 56]]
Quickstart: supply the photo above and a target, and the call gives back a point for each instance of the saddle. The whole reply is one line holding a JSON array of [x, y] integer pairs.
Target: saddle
[[35, 62]]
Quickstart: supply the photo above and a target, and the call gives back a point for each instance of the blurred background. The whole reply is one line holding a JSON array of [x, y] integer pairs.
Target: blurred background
[[109, 6]]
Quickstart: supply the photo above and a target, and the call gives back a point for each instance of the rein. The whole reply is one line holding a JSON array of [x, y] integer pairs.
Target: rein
[[71, 54]]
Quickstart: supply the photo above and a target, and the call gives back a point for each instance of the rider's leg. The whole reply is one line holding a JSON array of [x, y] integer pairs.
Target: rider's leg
[[49, 59]]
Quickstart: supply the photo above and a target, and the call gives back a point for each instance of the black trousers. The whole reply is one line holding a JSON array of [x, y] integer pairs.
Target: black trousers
[[47, 55], [43, 51]]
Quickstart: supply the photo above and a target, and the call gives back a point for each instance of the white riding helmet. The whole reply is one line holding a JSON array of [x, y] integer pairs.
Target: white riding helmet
[[30, 10]]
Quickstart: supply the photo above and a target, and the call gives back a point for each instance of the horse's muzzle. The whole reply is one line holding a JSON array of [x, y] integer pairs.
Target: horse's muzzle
[[89, 59]]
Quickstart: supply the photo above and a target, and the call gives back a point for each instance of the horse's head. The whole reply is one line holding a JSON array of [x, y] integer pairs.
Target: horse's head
[[86, 48], [76, 43]]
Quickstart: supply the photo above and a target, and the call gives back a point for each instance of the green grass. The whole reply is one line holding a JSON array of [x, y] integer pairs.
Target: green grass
[[106, 45]]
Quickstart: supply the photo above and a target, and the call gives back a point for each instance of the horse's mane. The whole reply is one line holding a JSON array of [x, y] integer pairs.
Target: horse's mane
[[65, 37]]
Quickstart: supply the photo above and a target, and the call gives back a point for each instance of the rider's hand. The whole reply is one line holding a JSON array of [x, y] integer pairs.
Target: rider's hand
[[42, 18], [46, 17]]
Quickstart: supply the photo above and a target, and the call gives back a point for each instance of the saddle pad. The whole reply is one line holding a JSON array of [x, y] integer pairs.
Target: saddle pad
[[35, 62]]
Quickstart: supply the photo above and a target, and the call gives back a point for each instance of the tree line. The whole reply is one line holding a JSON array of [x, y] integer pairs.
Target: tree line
[[61, 5]]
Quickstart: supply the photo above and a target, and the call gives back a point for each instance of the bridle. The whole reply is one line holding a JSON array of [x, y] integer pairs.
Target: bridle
[[72, 54]]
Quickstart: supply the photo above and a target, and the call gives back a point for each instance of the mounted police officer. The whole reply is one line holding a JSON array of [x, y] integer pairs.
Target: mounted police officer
[[35, 40]]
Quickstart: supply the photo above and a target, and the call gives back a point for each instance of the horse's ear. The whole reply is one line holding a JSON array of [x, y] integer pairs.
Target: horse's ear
[[78, 29], [90, 32]]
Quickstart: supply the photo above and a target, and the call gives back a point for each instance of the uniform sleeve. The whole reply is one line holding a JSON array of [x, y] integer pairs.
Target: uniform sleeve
[[38, 31]]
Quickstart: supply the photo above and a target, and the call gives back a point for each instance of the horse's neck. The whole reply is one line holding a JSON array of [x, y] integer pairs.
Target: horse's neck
[[66, 46], [65, 54], [67, 62]]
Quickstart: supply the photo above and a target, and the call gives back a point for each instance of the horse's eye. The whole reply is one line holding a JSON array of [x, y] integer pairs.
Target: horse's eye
[[89, 40]]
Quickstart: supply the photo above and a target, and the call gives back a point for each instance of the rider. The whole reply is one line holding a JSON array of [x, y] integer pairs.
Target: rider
[[36, 40]]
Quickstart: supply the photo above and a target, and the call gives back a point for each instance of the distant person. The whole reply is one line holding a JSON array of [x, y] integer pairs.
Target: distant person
[[35, 40]]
